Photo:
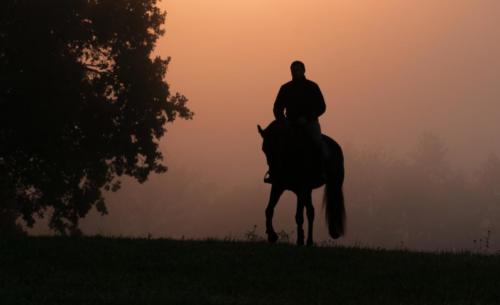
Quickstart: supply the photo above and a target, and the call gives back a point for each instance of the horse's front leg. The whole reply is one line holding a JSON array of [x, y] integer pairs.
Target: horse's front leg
[[276, 193], [299, 219], [310, 217]]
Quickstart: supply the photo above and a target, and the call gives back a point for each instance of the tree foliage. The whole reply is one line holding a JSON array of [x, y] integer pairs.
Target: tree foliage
[[82, 102]]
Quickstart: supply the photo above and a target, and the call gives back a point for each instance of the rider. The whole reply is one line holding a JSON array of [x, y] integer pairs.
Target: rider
[[300, 102]]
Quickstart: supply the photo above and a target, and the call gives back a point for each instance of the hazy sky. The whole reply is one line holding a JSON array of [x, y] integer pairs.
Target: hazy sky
[[389, 70]]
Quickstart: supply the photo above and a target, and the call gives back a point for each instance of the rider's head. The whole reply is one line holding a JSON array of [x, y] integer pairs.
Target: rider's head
[[298, 69]]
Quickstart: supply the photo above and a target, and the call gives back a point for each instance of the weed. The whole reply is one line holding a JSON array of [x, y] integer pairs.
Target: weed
[[252, 236]]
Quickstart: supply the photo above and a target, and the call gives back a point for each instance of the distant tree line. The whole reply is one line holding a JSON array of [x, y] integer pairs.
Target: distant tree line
[[417, 200], [421, 200], [82, 102]]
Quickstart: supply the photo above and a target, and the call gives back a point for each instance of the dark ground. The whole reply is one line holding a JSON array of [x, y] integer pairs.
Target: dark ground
[[48, 270]]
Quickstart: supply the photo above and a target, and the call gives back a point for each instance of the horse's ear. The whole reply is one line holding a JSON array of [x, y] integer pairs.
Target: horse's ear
[[261, 131]]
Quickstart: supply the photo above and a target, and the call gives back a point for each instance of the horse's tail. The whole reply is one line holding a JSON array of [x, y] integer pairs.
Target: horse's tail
[[333, 199]]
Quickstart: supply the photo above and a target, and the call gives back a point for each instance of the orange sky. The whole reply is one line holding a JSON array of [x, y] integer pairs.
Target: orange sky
[[389, 70]]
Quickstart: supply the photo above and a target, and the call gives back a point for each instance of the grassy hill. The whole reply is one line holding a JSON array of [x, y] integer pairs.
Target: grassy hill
[[45, 270]]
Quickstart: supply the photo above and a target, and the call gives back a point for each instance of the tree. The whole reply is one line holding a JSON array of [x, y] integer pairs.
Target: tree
[[8, 212], [82, 102]]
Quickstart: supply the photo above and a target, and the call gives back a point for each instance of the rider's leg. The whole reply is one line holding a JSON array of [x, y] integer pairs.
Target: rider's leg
[[313, 130], [273, 201]]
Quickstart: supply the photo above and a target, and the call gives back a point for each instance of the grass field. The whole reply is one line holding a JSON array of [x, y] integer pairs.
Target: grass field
[[48, 270]]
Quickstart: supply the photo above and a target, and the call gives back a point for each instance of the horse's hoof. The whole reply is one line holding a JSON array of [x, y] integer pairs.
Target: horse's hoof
[[300, 242], [310, 243], [300, 237], [335, 235], [272, 237]]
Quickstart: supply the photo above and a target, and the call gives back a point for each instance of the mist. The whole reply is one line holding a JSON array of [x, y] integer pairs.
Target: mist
[[412, 92]]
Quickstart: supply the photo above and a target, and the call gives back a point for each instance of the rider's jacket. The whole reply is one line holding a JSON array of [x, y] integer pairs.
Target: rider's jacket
[[299, 98]]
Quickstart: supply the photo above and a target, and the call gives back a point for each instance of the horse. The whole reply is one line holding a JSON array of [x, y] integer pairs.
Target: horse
[[302, 185]]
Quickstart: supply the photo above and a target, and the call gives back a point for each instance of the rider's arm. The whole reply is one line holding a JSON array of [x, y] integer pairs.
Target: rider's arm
[[279, 105], [319, 105]]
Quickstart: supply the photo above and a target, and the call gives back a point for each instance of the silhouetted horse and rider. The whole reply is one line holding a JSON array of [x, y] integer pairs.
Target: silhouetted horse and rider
[[301, 158]]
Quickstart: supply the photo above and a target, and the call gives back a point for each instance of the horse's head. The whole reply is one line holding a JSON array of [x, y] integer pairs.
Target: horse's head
[[267, 138], [270, 136]]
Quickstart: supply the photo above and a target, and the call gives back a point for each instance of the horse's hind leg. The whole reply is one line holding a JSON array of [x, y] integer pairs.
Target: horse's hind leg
[[299, 218], [276, 192], [310, 217]]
